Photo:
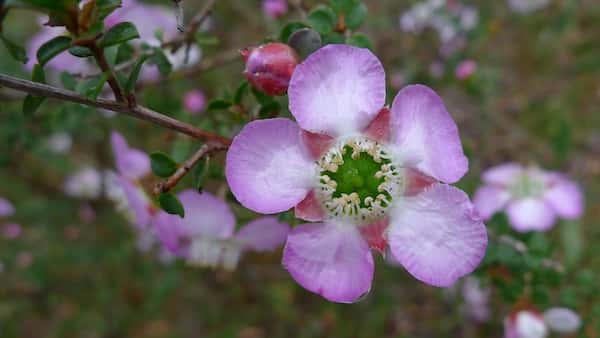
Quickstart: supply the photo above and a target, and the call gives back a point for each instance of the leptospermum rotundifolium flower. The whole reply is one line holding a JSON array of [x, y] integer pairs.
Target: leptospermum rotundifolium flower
[[206, 236], [532, 324], [6, 208], [533, 198], [372, 177], [124, 187]]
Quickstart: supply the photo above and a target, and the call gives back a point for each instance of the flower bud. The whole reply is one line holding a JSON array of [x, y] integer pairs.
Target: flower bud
[[269, 67]]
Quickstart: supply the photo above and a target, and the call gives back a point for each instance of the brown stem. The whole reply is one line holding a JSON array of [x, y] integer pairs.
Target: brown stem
[[192, 27], [172, 181], [106, 69], [140, 112]]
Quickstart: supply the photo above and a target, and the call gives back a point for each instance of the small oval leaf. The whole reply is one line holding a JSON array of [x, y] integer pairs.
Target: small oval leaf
[[52, 48], [120, 33], [171, 204], [162, 164]]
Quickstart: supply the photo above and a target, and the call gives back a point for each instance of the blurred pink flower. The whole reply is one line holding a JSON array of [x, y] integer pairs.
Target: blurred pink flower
[[6, 208], [194, 101], [11, 230], [476, 297], [465, 69], [85, 183], [527, 6], [206, 236], [274, 8], [533, 198]]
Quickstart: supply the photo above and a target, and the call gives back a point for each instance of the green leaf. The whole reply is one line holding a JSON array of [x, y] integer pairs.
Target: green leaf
[[162, 164], [68, 81], [124, 53], [305, 41], [171, 204], [32, 103], [202, 39], [93, 87], [343, 6], [135, 73], [356, 16], [322, 19], [360, 40], [17, 52], [218, 104], [52, 48], [119, 33], [572, 241], [333, 37], [290, 28], [240, 92], [201, 172], [56, 5], [161, 61], [105, 7], [80, 52], [269, 109]]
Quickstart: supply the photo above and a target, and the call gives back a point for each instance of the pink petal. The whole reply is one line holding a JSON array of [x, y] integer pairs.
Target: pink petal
[[417, 182], [267, 168], [310, 209], [130, 162], [137, 201], [503, 174], [490, 199], [379, 128], [376, 235], [263, 234], [330, 260], [206, 215], [530, 214], [425, 136], [562, 320], [337, 90], [437, 235], [566, 198], [316, 144]]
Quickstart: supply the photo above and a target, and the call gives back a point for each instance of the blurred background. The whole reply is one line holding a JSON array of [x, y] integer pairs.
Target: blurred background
[[521, 79]]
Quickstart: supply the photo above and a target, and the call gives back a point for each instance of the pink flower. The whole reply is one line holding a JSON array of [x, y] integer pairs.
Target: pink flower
[[6, 208], [206, 236], [12, 230], [86, 183], [372, 177], [477, 300], [274, 8], [531, 324], [465, 69], [527, 6], [194, 101], [533, 198], [132, 164]]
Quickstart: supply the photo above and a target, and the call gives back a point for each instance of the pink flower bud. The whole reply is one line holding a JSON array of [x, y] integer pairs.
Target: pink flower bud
[[269, 67], [194, 101], [12, 231], [465, 69]]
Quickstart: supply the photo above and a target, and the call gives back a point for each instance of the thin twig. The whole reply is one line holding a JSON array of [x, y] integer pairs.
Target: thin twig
[[106, 69], [140, 112], [172, 181], [191, 29], [522, 248]]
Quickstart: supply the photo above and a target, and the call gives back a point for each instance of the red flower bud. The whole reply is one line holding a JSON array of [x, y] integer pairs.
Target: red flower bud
[[269, 67]]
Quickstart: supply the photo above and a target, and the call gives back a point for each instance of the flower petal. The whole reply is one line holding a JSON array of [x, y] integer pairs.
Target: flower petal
[[502, 174], [530, 214], [268, 168], [566, 198], [489, 199], [206, 215], [130, 162], [310, 209], [263, 234], [424, 135], [6, 208], [437, 235], [137, 202], [331, 260], [562, 320], [337, 90]]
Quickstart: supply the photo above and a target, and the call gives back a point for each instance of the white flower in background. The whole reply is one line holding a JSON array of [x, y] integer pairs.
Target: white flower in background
[[451, 20], [85, 183], [59, 143], [476, 300], [527, 6], [531, 324]]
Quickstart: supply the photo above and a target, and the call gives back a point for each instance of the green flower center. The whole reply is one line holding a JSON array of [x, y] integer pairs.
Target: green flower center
[[358, 180], [526, 186]]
